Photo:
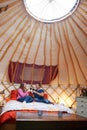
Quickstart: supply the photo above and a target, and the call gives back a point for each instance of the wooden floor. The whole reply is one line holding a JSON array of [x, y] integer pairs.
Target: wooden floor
[[26, 121]]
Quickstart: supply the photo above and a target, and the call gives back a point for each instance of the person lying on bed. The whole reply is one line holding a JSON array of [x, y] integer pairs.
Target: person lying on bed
[[39, 95], [23, 94]]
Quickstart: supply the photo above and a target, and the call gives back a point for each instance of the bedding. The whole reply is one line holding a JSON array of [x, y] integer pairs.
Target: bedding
[[12, 106]]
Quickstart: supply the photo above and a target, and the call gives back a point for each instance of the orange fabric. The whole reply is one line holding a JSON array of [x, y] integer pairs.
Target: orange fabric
[[7, 99]]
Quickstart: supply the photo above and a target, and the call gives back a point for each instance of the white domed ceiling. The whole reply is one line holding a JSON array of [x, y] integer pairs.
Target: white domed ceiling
[[26, 40]]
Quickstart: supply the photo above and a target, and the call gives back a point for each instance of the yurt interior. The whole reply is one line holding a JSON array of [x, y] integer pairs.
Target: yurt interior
[[43, 42]]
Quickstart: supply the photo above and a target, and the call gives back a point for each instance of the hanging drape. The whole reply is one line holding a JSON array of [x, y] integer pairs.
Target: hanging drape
[[31, 73]]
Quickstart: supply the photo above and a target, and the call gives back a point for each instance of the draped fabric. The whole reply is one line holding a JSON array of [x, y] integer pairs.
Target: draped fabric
[[31, 73]]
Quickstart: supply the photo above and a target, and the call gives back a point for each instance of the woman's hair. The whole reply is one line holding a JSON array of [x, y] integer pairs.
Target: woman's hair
[[21, 85]]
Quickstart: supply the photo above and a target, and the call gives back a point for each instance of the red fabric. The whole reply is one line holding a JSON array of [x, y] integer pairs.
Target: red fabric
[[8, 116], [14, 94]]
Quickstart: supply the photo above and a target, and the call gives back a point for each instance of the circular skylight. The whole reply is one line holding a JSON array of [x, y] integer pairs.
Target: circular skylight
[[50, 10]]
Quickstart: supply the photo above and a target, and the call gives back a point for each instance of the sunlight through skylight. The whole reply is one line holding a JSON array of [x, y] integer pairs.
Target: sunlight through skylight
[[50, 10]]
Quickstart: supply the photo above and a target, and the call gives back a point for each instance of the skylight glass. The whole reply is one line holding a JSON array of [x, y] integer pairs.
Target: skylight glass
[[50, 10]]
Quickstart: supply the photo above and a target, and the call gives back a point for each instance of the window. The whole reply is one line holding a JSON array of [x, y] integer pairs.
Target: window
[[50, 10]]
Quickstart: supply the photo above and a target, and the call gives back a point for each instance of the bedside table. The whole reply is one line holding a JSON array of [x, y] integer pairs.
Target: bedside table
[[82, 106]]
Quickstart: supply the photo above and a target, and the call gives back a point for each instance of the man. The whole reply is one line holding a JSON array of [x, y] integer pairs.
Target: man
[[39, 95]]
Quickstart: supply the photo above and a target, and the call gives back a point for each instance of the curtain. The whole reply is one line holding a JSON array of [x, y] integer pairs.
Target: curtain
[[31, 73]]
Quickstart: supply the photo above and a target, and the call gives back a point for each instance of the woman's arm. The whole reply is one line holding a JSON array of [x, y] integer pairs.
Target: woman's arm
[[21, 93]]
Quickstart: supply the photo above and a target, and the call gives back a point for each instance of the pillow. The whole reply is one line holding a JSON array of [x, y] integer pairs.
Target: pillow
[[45, 95], [14, 94]]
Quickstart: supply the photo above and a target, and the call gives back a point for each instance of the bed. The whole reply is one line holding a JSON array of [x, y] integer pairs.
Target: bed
[[8, 115]]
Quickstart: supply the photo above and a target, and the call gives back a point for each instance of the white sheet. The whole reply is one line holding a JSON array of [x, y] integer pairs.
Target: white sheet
[[16, 105]]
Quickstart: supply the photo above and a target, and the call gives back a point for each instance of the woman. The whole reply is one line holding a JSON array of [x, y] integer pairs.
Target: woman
[[23, 94]]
